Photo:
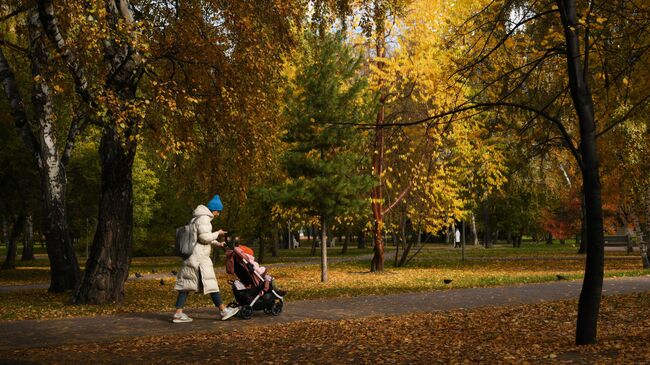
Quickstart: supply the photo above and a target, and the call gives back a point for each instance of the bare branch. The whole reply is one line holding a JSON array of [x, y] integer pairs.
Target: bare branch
[[585, 67], [21, 122], [534, 63], [622, 119], [546, 106], [14, 46], [51, 27], [77, 127], [19, 10], [398, 199], [503, 40]]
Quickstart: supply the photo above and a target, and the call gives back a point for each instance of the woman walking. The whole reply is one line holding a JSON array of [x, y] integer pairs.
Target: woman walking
[[197, 273]]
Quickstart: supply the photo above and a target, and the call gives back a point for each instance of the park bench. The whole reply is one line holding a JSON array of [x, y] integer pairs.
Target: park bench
[[620, 241]]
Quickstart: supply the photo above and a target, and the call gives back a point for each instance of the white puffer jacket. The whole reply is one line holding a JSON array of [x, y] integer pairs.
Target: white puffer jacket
[[199, 261]]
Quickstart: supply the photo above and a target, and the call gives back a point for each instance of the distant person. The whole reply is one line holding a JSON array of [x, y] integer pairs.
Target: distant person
[[457, 240], [197, 273]]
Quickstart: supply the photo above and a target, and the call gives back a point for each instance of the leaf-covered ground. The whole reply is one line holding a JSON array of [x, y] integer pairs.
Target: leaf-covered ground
[[303, 282], [533, 334]]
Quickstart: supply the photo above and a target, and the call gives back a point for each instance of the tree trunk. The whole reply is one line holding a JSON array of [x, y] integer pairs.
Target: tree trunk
[[463, 232], [646, 227], [313, 243], [549, 238], [108, 265], [402, 234], [276, 242], [283, 241], [406, 250], [396, 244], [644, 255], [590, 296], [323, 250], [64, 268], [28, 245], [583, 227], [260, 251], [487, 234], [12, 245], [344, 250], [420, 246], [377, 263], [474, 233], [110, 255], [645, 232], [462, 243], [361, 240], [289, 240], [5, 231]]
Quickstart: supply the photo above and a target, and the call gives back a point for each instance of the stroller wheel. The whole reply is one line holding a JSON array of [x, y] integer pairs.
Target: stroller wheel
[[246, 312], [276, 309]]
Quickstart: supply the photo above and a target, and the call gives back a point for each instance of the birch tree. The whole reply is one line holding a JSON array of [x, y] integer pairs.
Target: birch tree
[[40, 135]]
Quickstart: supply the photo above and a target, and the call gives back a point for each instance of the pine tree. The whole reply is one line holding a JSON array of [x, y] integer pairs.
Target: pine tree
[[324, 160]]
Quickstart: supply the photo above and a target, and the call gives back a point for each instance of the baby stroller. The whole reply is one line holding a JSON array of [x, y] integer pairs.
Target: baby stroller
[[252, 292]]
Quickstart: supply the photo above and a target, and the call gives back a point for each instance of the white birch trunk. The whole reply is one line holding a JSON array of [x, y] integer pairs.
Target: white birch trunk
[[28, 241], [475, 236], [63, 262]]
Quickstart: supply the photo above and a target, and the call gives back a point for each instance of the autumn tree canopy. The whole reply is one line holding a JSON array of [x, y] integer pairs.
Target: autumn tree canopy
[[513, 117]]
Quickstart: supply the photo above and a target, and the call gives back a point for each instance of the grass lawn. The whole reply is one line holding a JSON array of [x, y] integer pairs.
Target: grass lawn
[[347, 278], [37, 271], [522, 334]]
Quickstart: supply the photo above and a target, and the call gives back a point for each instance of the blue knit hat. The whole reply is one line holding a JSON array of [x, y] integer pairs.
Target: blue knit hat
[[215, 204]]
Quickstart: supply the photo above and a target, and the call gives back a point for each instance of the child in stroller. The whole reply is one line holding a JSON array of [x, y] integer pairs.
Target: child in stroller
[[255, 289]]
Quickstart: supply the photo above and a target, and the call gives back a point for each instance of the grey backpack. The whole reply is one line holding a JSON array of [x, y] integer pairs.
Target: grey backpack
[[186, 239]]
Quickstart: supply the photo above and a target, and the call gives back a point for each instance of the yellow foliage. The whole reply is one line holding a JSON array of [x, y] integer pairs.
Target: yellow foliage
[[447, 163]]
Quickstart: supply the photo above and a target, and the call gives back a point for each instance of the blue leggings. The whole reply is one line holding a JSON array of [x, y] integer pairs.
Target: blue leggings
[[182, 297]]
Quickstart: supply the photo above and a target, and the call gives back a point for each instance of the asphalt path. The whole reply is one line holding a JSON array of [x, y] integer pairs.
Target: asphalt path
[[42, 333]]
